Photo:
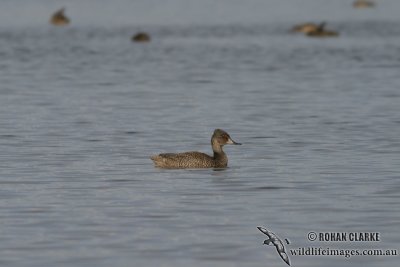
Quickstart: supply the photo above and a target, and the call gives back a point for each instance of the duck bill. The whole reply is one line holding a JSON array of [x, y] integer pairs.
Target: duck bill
[[231, 142]]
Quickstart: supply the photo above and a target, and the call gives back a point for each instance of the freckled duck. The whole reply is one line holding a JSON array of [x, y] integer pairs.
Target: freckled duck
[[196, 159]]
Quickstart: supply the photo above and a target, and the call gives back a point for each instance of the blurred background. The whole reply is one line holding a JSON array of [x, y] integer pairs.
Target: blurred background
[[172, 12], [84, 105]]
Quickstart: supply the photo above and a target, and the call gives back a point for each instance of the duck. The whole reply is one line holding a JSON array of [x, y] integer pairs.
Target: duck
[[141, 37], [322, 32], [363, 4], [59, 18], [194, 159], [305, 27]]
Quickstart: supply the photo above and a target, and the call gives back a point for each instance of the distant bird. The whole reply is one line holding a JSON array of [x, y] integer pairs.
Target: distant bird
[[59, 18], [320, 31], [141, 37], [274, 240], [363, 4], [305, 27]]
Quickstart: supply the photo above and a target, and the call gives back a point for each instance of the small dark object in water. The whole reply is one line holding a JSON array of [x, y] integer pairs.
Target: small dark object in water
[[363, 4], [321, 32], [59, 18], [141, 37], [305, 27]]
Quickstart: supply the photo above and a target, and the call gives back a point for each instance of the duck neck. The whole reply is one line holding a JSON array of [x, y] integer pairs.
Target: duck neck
[[219, 155]]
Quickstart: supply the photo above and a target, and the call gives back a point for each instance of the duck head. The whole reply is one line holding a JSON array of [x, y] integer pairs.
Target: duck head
[[222, 138]]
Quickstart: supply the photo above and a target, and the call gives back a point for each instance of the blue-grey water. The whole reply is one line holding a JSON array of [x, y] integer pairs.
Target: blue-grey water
[[82, 108]]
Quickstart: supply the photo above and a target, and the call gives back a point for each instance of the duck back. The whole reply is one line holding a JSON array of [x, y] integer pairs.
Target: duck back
[[184, 160]]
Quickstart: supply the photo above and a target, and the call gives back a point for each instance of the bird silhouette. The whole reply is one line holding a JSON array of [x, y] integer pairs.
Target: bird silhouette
[[274, 240]]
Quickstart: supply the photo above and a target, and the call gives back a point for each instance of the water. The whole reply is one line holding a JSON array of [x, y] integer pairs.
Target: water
[[82, 109]]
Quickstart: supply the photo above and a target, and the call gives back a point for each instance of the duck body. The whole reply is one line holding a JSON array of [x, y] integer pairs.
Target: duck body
[[59, 18], [141, 37], [320, 31], [194, 159], [324, 33], [305, 28], [363, 4]]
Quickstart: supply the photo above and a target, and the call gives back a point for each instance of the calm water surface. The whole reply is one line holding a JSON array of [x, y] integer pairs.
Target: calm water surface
[[82, 109]]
